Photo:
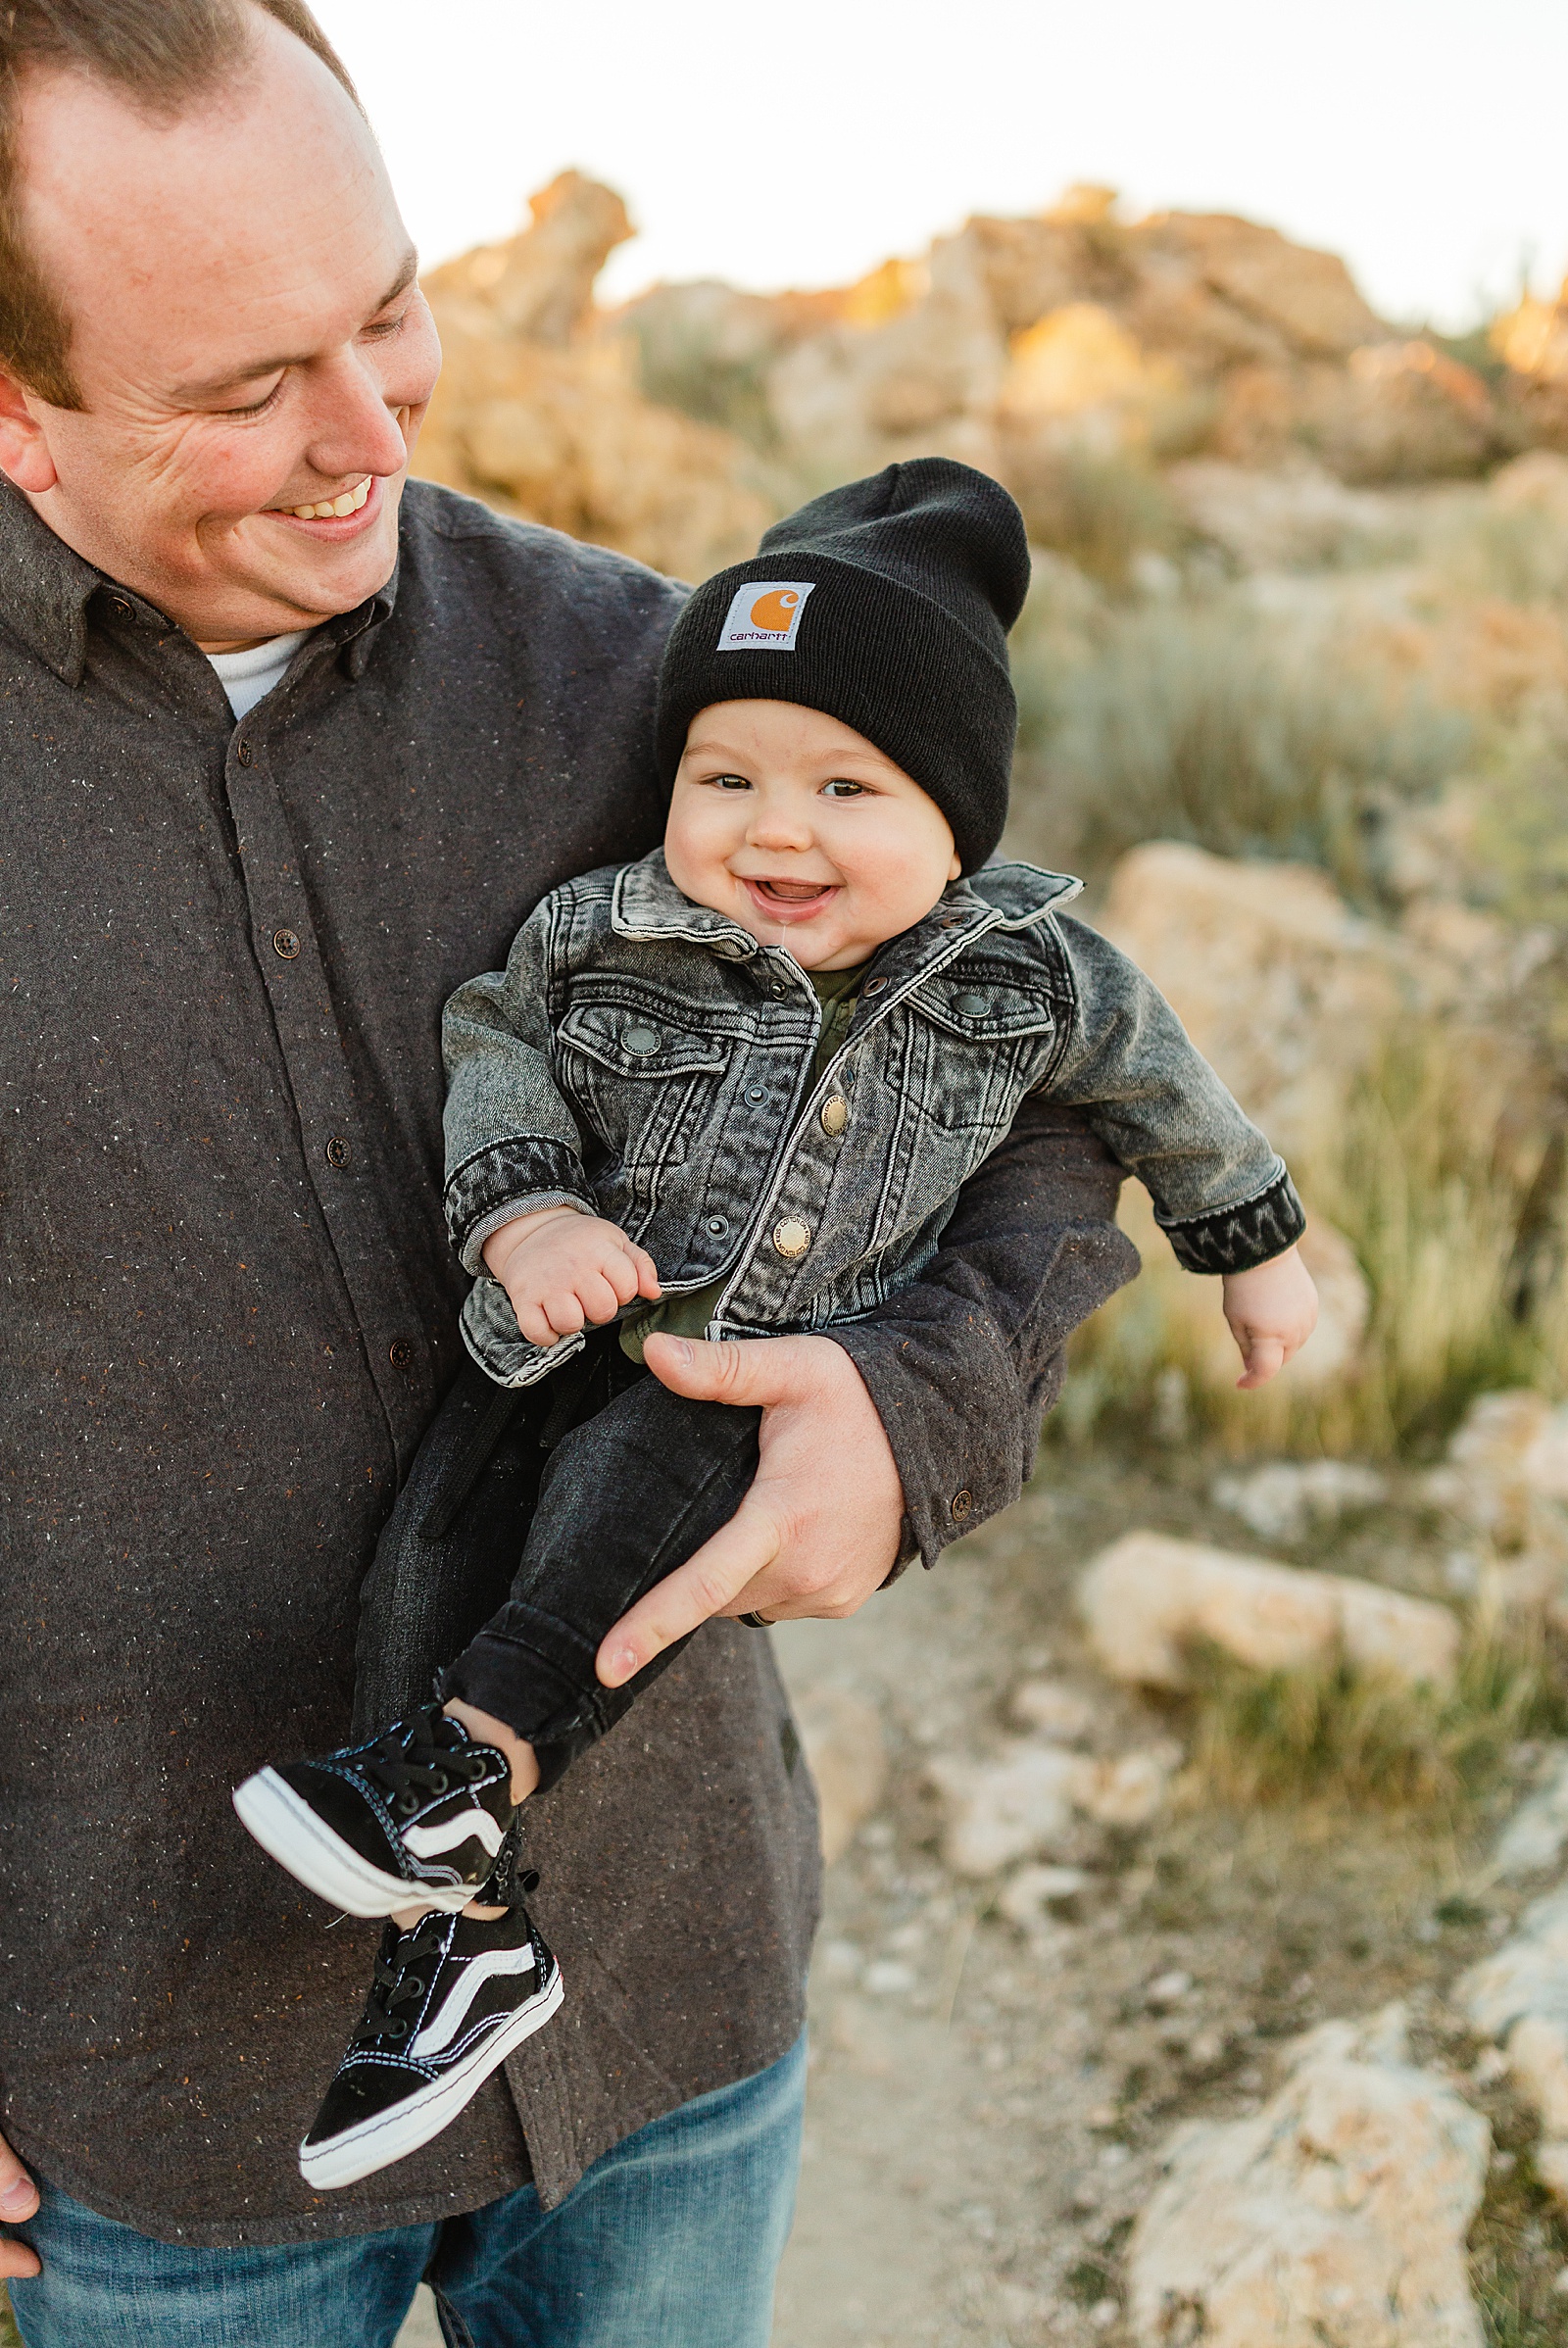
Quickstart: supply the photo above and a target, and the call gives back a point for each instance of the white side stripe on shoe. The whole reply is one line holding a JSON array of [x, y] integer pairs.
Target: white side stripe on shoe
[[467, 1826], [443, 2029]]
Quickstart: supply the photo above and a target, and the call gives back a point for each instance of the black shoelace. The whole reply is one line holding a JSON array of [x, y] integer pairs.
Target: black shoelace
[[399, 1981], [424, 1754]]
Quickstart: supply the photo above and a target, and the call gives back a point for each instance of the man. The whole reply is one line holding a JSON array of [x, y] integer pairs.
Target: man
[[286, 749]]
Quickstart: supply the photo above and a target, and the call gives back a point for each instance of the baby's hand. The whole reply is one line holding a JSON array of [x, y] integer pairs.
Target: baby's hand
[[1272, 1311], [562, 1268]]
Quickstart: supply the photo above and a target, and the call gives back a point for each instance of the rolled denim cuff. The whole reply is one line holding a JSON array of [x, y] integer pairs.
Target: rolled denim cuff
[[1237, 1238], [519, 1176]]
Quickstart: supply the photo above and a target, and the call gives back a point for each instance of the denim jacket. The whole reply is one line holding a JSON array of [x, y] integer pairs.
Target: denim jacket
[[645, 1059]]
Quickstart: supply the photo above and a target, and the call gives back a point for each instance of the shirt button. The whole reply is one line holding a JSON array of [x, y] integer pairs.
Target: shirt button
[[642, 1041], [974, 1006], [719, 1225], [120, 608], [337, 1152], [792, 1237], [242, 751], [962, 1502], [835, 1115], [400, 1353], [757, 1093], [285, 943]]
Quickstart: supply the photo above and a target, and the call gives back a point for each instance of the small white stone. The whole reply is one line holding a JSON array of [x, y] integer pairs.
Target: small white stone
[[885, 1977], [1167, 1989]]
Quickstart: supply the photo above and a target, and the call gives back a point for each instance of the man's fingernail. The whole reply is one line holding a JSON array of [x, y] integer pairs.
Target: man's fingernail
[[687, 1357], [17, 2196]]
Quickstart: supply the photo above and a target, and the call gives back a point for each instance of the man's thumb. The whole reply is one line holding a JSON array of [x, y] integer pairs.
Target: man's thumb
[[709, 1373]]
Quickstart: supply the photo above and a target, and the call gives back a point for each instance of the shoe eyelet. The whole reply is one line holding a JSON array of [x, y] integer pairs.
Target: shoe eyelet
[[439, 1781], [408, 1803]]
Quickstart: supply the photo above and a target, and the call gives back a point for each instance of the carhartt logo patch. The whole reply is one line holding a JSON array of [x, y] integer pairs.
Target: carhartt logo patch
[[764, 616]]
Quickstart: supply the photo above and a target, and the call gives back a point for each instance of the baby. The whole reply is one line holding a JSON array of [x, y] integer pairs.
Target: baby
[[735, 1090]]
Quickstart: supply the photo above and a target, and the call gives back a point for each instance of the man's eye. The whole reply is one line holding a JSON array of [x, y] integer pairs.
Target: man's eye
[[257, 407], [842, 788]]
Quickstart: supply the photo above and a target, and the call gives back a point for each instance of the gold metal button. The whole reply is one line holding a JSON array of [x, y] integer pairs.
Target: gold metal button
[[835, 1114], [791, 1236]]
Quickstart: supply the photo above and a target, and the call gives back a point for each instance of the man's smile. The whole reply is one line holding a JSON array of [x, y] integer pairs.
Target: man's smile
[[347, 500]]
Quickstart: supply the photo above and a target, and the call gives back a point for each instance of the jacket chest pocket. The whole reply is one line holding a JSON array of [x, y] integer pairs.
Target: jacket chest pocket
[[645, 1086], [975, 1045]]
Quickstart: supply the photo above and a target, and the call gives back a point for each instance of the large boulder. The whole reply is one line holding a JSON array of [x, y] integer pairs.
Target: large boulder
[[1278, 983], [1148, 1599], [1334, 2218]]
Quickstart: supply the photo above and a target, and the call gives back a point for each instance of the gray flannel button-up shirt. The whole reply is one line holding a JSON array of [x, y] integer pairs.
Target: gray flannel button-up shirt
[[230, 1306]]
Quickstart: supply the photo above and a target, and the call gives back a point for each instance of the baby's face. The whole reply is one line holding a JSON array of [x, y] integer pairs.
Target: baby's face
[[802, 831]]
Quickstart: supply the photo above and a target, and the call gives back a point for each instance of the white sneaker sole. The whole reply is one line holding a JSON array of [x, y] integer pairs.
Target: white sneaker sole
[[393, 2134], [288, 1829]]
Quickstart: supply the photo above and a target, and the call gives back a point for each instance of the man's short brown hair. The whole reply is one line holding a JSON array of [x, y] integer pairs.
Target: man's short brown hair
[[160, 54]]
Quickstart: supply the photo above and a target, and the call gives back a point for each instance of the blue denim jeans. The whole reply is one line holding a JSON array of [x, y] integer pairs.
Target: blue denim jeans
[[670, 2242]]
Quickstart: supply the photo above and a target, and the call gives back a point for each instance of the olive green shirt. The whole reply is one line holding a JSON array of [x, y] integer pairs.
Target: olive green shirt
[[837, 993]]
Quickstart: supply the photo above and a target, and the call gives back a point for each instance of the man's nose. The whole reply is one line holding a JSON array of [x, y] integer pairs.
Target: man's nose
[[355, 430]]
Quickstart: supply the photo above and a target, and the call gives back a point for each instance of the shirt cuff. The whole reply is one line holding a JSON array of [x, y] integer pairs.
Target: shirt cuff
[[1237, 1238]]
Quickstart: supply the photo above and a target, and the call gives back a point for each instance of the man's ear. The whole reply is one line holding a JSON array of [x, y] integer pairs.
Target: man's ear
[[23, 451]]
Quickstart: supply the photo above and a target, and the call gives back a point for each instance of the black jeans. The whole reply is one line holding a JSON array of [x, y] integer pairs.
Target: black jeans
[[531, 1520]]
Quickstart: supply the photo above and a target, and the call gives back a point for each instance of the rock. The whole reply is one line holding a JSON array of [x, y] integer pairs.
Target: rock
[[1509, 1454], [1127, 1791], [1307, 298], [1147, 1598], [539, 285], [1519, 1997], [1286, 1499], [842, 1737], [1334, 2218], [1061, 1714], [1285, 991], [1298, 518], [539, 420], [1008, 1808], [1534, 1837], [1025, 1801], [1400, 412], [1031, 1893]]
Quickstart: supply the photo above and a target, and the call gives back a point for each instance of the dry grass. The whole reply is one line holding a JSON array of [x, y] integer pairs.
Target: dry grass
[[1368, 1739]]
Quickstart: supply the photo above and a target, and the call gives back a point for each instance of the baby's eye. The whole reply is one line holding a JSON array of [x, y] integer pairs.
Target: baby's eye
[[842, 788], [730, 782]]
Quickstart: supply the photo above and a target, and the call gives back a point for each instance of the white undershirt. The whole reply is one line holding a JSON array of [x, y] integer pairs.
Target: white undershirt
[[249, 678]]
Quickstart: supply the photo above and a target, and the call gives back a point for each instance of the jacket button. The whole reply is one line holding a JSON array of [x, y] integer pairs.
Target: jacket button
[[962, 1502], [972, 1005], [242, 751], [791, 1236], [400, 1353], [285, 943], [835, 1115], [757, 1093], [777, 989], [337, 1152], [719, 1225], [873, 985], [642, 1041]]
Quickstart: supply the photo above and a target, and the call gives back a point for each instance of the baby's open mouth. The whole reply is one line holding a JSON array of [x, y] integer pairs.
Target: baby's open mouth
[[783, 892]]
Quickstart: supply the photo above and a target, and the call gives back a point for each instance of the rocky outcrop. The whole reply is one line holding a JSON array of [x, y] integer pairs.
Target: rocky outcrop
[[1335, 2218], [536, 417], [1148, 1599]]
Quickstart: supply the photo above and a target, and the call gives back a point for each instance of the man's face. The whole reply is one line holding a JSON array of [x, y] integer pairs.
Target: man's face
[[248, 341]]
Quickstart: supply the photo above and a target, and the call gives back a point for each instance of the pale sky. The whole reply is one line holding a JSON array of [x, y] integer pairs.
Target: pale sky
[[779, 142]]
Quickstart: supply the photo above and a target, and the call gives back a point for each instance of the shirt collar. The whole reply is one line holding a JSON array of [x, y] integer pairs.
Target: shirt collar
[[46, 588]]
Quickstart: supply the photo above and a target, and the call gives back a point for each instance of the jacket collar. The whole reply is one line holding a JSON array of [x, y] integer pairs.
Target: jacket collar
[[648, 904], [47, 590]]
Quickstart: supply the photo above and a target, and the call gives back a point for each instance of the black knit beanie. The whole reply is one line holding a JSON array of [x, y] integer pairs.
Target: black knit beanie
[[885, 604]]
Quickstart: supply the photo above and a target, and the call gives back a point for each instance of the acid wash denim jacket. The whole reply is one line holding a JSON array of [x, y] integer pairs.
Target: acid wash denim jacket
[[645, 1059]]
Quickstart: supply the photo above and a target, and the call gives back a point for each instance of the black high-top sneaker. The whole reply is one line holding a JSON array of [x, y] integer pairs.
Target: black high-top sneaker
[[419, 1813], [450, 2001]]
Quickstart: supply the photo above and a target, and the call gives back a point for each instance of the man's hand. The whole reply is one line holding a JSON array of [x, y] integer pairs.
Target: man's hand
[[818, 1531], [18, 2198], [1272, 1311], [562, 1268]]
